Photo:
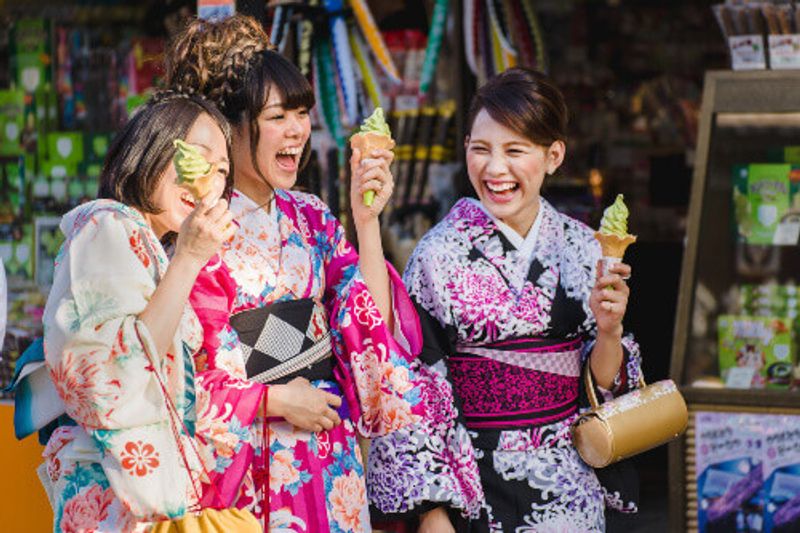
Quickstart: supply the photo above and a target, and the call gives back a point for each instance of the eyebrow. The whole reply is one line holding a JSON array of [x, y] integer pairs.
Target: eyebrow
[[509, 143], [208, 149]]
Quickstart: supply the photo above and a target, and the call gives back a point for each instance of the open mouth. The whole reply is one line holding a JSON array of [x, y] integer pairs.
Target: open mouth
[[188, 200], [289, 157], [502, 188]]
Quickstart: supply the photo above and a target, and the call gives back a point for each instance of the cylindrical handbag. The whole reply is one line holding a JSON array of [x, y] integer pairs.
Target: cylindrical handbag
[[629, 424]]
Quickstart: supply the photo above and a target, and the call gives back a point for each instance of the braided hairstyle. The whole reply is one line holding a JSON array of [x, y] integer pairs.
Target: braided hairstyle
[[233, 63]]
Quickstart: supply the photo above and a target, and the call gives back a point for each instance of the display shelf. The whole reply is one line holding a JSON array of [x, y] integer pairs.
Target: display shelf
[[743, 115]]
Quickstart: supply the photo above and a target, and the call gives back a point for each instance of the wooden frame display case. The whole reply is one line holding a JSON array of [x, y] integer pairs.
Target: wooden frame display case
[[743, 115]]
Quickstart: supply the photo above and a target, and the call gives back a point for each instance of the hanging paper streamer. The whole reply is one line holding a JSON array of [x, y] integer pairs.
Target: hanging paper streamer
[[438, 21], [305, 30], [470, 32], [374, 39], [536, 29], [522, 34], [504, 53], [279, 32], [344, 59], [367, 72], [326, 93]]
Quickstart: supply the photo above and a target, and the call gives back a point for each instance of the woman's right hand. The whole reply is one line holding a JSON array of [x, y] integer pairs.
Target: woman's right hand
[[205, 230], [303, 405], [435, 521]]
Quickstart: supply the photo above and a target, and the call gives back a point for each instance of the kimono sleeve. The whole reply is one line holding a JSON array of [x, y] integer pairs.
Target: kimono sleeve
[[95, 351], [227, 402], [432, 462], [373, 363]]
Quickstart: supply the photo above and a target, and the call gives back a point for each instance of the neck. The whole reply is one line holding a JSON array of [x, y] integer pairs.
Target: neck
[[159, 231], [259, 192], [523, 222]]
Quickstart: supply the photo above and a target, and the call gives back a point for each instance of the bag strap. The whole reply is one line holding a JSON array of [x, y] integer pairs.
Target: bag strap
[[588, 382], [174, 415]]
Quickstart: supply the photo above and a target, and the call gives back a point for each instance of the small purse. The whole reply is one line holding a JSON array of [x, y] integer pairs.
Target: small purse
[[629, 424]]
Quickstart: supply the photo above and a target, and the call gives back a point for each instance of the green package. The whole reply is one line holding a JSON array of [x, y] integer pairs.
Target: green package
[[65, 147], [761, 347], [12, 121], [767, 203]]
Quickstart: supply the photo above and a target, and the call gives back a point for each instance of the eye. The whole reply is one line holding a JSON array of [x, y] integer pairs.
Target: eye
[[302, 111], [478, 149], [515, 151]]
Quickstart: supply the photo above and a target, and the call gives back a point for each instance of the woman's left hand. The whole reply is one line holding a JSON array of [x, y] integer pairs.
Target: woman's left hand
[[609, 298], [370, 172]]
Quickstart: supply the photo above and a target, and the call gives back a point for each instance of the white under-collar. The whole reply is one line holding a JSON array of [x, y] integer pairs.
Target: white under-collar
[[524, 245]]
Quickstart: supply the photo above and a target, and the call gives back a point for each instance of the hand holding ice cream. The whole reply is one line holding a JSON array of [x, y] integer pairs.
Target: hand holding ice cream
[[374, 134]]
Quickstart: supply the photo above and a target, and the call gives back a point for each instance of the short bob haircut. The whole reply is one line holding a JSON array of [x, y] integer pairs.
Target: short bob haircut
[[141, 151], [525, 101]]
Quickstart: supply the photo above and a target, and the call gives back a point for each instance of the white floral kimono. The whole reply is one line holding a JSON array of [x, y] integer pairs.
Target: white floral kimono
[[117, 467]]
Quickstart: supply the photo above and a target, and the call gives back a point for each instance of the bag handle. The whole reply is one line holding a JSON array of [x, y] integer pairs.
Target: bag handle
[[588, 382], [174, 415]]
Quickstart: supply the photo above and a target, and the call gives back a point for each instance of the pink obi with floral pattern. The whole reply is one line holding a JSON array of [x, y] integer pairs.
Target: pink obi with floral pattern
[[517, 383]]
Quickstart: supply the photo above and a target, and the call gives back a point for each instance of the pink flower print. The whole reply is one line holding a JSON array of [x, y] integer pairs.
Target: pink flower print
[[366, 311], [84, 512], [75, 381], [347, 500], [139, 458], [282, 471]]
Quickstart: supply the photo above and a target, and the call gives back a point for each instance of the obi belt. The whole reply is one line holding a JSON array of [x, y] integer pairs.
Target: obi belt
[[285, 340], [517, 383]]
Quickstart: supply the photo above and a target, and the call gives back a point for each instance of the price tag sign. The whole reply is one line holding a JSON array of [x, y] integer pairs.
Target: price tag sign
[[788, 232], [740, 377]]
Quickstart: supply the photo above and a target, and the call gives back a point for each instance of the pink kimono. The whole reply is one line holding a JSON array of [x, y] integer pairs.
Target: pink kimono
[[287, 301]]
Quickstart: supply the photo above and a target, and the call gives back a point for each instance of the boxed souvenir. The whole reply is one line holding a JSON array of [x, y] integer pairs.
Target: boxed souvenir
[[756, 351]]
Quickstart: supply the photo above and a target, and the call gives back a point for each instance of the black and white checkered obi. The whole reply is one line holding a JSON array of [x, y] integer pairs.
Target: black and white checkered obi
[[285, 340]]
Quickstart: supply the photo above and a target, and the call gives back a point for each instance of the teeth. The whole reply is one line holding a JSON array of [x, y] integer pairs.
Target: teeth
[[501, 187], [290, 151]]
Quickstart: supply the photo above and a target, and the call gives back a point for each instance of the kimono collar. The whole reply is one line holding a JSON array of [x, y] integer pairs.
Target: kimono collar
[[525, 245], [73, 221]]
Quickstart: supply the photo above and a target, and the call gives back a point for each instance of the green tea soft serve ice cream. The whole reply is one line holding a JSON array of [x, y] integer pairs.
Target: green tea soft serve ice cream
[[374, 134]]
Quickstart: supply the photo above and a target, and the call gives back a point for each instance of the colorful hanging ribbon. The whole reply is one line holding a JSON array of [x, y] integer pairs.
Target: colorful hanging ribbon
[[374, 39], [367, 72], [536, 29], [504, 53], [344, 59], [435, 36], [326, 92], [470, 31]]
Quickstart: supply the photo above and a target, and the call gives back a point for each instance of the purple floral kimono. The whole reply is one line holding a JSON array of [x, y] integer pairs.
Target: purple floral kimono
[[507, 331]]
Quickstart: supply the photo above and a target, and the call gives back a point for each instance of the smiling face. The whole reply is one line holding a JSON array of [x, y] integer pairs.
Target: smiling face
[[282, 135], [173, 201], [507, 170]]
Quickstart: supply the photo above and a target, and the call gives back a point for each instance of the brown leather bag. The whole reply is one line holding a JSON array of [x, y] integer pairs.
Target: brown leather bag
[[629, 424]]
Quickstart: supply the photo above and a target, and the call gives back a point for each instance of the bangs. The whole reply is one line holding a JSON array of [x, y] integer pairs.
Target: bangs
[[275, 71]]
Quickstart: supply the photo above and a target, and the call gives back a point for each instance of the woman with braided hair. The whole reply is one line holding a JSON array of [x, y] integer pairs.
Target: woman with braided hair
[[330, 334]]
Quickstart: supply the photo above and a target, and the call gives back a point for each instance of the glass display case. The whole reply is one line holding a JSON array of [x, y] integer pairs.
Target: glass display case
[[735, 341]]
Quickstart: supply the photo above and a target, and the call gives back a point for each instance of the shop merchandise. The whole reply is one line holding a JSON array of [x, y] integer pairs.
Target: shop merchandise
[[729, 472], [766, 199], [756, 351], [781, 459]]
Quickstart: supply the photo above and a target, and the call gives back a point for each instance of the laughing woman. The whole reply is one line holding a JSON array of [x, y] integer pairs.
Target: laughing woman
[[119, 334], [512, 309], [329, 333]]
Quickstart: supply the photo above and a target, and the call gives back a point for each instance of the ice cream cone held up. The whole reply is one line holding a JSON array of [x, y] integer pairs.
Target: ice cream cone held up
[[613, 234], [374, 134], [195, 173]]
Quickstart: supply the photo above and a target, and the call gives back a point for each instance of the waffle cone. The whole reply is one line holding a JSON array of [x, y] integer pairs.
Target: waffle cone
[[200, 187], [367, 142], [612, 245]]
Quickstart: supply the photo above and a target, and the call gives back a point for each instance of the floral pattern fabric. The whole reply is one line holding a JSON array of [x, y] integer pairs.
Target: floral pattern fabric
[[118, 468], [297, 250], [474, 289]]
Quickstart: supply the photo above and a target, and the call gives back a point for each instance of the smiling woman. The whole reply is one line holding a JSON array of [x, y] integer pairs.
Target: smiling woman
[[120, 335], [511, 306]]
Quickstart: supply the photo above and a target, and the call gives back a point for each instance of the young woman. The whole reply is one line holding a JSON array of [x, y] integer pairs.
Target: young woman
[[328, 332], [119, 334], [513, 307]]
